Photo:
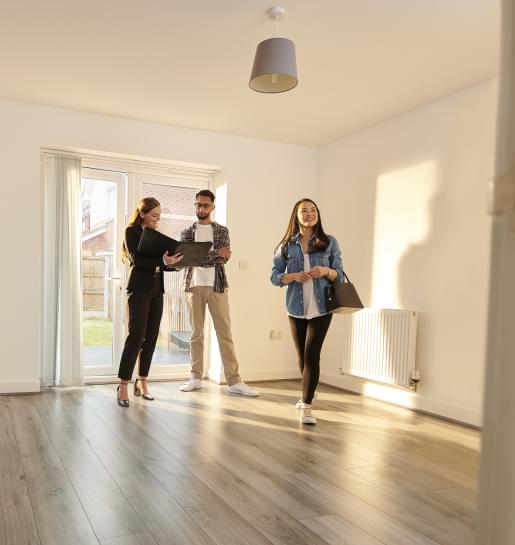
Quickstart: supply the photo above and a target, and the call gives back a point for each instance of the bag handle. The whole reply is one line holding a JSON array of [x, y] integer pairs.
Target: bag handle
[[346, 277]]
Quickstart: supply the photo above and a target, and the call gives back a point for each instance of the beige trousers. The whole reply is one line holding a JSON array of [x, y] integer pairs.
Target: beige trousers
[[218, 304]]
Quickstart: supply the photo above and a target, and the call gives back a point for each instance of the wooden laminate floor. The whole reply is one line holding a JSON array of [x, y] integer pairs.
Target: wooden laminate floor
[[209, 468]]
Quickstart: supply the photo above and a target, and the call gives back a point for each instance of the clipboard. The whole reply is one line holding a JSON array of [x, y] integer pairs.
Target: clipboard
[[154, 244], [194, 253]]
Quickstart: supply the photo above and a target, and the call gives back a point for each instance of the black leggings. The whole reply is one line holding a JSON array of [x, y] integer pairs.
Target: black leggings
[[308, 336]]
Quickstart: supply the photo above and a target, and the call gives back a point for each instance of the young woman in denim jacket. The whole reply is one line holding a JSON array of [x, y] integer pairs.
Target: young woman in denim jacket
[[306, 260]]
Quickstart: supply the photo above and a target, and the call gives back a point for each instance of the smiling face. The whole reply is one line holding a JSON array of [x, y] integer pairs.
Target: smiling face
[[151, 218], [307, 214]]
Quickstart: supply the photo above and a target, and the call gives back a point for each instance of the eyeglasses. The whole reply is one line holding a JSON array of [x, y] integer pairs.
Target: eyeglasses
[[204, 205]]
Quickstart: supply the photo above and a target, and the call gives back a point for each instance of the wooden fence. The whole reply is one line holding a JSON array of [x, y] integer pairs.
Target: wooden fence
[[175, 312], [95, 291]]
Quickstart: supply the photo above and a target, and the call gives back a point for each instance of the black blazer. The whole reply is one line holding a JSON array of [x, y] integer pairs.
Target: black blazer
[[142, 269]]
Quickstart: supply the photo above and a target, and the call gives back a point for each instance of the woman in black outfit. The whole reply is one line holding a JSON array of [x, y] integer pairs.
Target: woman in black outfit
[[145, 290]]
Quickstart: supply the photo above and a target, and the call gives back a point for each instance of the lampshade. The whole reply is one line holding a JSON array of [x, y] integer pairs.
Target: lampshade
[[275, 67]]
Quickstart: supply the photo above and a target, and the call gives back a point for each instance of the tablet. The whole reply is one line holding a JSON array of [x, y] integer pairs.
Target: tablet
[[154, 244]]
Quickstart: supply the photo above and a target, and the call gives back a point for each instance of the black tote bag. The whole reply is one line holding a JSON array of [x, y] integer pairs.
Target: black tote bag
[[342, 297]]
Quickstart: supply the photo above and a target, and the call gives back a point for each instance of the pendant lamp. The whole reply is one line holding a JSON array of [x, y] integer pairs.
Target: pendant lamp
[[275, 67]]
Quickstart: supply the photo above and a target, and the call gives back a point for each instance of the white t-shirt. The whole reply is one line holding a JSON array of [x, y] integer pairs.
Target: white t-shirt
[[310, 302], [203, 276]]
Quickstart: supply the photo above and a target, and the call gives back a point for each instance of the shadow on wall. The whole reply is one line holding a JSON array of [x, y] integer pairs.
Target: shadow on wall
[[421, 240], [404, 222], [398, 220], [435, 271]]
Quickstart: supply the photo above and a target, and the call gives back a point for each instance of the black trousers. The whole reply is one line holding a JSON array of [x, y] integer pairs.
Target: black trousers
[[308, 336], [145, 311]]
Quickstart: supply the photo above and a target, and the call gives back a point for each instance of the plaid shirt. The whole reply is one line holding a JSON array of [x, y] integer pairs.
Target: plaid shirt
[[220, 239]]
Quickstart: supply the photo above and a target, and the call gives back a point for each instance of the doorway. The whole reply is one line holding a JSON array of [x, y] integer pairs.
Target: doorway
[[107, 199]]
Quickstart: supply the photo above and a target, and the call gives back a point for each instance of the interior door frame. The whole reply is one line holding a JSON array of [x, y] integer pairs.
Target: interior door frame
[[137, 172]]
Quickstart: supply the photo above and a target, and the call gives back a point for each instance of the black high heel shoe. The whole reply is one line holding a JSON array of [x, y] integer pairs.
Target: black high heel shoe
[[121, 402], [138, 392]]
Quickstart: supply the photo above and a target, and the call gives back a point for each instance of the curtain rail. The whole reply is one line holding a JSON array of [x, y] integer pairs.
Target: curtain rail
[[125, 164]]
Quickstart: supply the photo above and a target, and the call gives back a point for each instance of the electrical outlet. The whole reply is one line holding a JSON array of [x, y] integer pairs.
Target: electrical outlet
[[275, 334]]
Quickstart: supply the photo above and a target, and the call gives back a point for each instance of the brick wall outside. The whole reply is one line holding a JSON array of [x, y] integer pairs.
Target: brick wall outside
[[174, 200], [174, 227]]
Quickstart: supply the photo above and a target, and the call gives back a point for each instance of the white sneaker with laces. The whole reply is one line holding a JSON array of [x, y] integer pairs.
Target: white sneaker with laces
[[242, 389], [192, 384], [306, 415]]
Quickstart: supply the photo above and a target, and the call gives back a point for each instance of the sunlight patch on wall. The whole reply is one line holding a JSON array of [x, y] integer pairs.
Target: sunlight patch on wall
[[221, 204], [402, 219]]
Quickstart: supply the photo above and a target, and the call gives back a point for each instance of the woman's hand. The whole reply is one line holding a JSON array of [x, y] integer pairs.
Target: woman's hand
[[318, 272], [172, 259], [295, 277], [301, 277]]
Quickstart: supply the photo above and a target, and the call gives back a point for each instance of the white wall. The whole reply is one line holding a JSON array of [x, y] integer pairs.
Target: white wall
[[407, 201], [263, 178]]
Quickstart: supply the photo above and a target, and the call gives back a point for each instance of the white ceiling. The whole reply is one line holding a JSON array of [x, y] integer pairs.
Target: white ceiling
[[187, 63]]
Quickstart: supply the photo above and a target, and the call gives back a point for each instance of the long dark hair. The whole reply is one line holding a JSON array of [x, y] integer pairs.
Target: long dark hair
[[145, 205], [321, 240]]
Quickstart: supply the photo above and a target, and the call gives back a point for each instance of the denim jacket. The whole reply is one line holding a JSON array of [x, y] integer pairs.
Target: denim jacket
[[294, 262]]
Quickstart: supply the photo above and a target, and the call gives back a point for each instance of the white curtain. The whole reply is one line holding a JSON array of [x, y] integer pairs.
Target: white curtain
[[62, 296]]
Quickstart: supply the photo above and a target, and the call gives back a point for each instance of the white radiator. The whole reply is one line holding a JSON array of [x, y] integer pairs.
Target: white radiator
[[380, 345]]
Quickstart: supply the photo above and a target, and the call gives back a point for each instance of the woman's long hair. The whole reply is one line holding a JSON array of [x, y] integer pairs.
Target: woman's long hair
[[321, 240], [145, 205]]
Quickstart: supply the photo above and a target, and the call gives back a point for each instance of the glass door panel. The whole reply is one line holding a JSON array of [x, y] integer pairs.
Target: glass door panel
[[104, 216], [177, 213], [101, 282]]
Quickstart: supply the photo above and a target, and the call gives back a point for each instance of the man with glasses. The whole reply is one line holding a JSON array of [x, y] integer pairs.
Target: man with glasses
[[207, 286]]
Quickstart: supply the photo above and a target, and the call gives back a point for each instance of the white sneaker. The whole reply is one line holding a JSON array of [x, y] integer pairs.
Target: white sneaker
[[306, 415], [242, 389], [192, 384]]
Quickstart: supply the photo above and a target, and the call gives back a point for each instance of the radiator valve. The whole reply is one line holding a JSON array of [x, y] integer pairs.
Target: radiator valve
[[415, 379]]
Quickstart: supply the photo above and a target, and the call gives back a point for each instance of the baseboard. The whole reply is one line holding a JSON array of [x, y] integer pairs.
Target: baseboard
[[404, 398], [258, 376], [270, 374], [20, 387], [156, 377]]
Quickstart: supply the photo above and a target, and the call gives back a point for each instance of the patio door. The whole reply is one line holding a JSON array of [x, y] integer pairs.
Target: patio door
[[108, 197]]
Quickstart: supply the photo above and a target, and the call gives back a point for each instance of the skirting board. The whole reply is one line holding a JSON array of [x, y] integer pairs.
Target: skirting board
[[403, 398], [272, 374], [262, 375], [20, 387], [275, 374], [164, 377]]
